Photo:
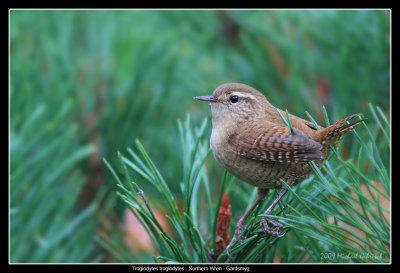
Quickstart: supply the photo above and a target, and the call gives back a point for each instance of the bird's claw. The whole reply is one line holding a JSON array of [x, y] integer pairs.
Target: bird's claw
[[272, 227]]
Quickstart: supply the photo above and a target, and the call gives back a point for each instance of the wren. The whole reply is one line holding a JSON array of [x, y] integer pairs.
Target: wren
[[252, 142]]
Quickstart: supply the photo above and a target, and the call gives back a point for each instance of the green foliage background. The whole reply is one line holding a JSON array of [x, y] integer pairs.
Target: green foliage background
[[85, 84]]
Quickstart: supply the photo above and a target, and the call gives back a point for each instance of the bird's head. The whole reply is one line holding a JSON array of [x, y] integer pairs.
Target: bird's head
[[236, 102]]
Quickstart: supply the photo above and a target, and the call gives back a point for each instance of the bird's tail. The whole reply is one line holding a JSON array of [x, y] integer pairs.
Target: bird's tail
[[338, 129]]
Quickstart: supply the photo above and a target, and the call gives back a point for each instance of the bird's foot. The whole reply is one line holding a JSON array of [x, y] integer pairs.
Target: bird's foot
[[272, 227], [238, 231]]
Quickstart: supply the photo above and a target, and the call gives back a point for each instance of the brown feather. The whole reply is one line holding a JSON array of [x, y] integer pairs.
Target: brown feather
[[338, 129], [275, 143]]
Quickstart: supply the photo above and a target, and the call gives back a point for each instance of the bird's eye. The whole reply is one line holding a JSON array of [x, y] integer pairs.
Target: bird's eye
[[234, 99]]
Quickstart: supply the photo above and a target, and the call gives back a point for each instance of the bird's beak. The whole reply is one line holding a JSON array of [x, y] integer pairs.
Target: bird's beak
[[206, 98]]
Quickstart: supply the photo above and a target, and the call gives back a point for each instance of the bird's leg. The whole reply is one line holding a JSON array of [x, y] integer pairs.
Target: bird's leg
[[277, 228], [261, 193]]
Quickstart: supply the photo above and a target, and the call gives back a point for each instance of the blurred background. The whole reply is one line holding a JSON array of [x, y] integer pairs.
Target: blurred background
[[85, 84]]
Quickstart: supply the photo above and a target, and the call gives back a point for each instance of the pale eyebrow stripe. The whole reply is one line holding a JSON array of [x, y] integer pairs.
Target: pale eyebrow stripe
[[243, 95]]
